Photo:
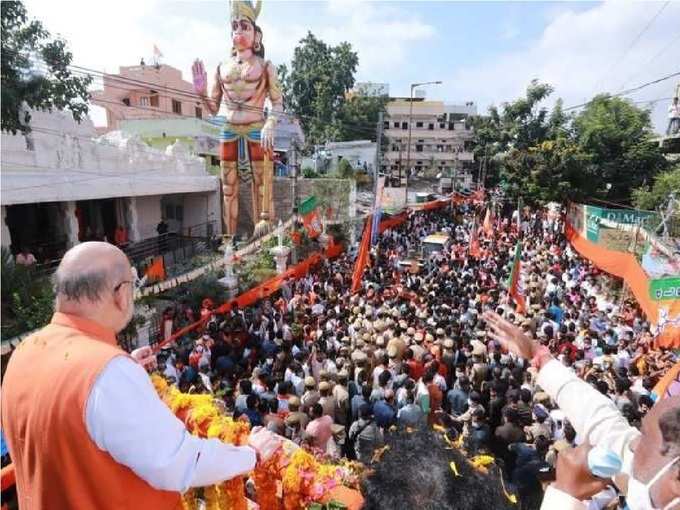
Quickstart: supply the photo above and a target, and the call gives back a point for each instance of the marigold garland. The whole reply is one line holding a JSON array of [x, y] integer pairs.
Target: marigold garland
[[305, 480]]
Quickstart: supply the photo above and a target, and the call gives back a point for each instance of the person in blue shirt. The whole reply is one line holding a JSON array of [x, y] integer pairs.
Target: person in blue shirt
[[555, 310], [252, 413], [384, 411]]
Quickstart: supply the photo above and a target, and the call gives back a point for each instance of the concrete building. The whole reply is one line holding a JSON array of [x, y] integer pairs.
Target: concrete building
[[359, 153], [146, 92], [441, 137], [62, 184]]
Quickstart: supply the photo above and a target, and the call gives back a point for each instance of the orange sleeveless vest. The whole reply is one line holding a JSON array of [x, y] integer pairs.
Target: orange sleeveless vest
[[45, 391]]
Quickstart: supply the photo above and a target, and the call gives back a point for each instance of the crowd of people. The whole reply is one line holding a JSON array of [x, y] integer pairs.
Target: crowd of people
[[344, 374]]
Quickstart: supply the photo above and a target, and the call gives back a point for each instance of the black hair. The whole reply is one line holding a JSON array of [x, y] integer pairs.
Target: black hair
[[417, 471]]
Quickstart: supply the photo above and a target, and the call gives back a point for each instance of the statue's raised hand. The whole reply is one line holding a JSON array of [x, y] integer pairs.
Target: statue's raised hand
[[200, 77]]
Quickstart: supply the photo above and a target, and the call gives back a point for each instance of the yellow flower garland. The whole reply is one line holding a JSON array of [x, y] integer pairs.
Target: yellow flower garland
[[305, 480]]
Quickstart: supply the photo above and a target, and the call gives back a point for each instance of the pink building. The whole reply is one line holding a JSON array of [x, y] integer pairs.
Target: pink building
[[146, 92]]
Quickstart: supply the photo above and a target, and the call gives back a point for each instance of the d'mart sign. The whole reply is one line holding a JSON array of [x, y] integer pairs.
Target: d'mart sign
[[595, 215]]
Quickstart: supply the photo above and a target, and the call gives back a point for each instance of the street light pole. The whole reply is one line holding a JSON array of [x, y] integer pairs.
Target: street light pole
[[408, 148]]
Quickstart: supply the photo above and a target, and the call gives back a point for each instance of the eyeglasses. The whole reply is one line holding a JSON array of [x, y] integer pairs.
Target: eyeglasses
[[117, 287]]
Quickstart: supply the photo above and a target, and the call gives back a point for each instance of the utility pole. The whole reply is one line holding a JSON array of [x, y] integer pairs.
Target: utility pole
[[378, 147], [376, 173], [292, 163]]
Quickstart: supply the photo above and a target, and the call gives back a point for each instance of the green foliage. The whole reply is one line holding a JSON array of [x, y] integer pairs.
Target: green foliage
[[205, 286], [345, 170], [27, 50], [616, 136], [316, 87], [259, 267], [27, 299], [333, 194], [547, 155], [665, 183], [309, 173]]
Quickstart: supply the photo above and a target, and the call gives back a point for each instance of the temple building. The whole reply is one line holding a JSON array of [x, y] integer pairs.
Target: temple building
[[62, 183]]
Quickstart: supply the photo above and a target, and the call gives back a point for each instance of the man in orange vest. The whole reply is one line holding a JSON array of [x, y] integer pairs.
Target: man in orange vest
[[84, 425]]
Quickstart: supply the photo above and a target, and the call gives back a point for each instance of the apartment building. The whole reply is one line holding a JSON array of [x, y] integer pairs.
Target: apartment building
[[441, 137]]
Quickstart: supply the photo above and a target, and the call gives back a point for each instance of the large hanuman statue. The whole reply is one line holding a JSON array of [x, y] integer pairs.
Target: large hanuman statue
[[244, 82]]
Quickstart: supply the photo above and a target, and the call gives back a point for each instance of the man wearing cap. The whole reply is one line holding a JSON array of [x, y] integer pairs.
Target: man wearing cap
[[295, 415], [327, 400], [311, 396], [341, 395]]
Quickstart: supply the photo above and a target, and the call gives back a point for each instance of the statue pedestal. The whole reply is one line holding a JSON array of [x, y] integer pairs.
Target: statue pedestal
[[230, 282], [324, 240], [281, 257]]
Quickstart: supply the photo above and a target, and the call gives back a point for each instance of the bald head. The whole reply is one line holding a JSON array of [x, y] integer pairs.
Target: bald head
[[88, 270]]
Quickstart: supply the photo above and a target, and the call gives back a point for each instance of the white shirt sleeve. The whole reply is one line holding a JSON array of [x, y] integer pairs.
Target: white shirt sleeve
[[593, 416], [126, 418]]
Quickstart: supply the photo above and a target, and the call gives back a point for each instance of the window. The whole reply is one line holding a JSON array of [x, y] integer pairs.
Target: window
[[144, 101], [214, 161], [419, 124], [126, 101], [430, 127], [176, 107], [440, 148], [386, 125], [450, 126], [404, 125], [419, 148], [199, 112], [153, 101], [442, 125], [396, 124]]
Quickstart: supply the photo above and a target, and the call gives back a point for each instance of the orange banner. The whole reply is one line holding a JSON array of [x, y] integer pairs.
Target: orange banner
[[626, 266]]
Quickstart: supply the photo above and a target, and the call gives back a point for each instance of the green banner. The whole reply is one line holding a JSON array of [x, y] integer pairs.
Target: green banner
[[307, 205], [593, 216], [664, 288]]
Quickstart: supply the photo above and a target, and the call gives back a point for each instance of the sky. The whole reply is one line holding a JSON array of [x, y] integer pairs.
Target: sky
[[486, 52]]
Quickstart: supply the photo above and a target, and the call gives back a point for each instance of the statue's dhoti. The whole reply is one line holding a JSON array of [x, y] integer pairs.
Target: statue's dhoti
[[242, 158]]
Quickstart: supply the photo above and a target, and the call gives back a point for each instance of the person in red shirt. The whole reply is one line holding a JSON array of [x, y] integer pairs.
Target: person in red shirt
[[415, 367]]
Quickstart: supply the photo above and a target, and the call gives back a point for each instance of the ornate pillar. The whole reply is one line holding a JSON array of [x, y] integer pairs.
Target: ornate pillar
[[6, 238], [71, 226], [132, 219]]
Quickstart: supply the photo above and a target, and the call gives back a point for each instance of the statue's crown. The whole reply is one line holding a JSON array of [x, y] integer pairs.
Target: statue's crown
[[245, 9]]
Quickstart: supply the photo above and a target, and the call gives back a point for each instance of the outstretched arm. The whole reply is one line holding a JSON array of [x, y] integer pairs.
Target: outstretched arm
[[595, 417]]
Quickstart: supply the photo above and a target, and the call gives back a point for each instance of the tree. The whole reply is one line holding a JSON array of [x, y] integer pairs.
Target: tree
[[665, 183], [616, 135], [512, 143], [35, 71], [547, 156], [317, 87]]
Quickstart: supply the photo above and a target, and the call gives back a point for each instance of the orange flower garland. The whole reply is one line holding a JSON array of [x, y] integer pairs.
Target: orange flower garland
[[305, 480]]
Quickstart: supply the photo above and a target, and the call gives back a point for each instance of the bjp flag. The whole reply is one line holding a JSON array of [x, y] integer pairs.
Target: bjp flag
[[310, 217]]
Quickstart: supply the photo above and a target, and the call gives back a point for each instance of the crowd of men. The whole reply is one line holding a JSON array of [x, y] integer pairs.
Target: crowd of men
[[342, 373]]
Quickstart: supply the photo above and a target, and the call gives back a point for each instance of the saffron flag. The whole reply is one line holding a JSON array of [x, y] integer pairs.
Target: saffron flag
[[514, 284], [310, 217], [155, 272], [475, 250], [362, 256], [488, 222]]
